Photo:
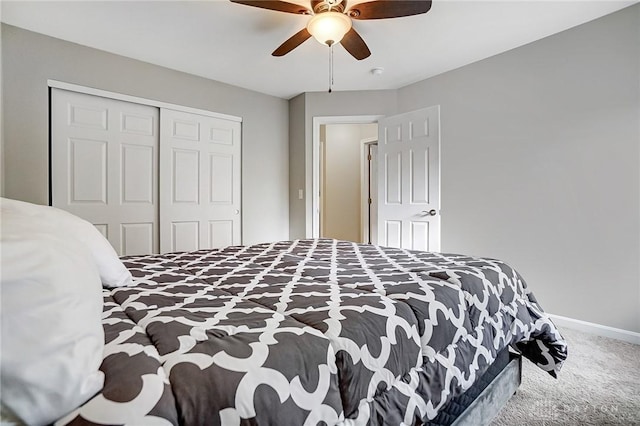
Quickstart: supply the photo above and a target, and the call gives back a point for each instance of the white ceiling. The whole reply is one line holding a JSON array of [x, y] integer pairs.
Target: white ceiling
[[232, 43]]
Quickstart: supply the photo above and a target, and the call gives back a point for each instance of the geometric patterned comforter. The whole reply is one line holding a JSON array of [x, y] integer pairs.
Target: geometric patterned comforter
[[308, 332]]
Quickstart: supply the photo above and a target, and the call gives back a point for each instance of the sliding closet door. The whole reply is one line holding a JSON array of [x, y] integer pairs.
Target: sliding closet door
[[104, 167], [200, 181]]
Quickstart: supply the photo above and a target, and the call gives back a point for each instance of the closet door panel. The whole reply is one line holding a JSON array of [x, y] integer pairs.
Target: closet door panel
[[221, 233], [87, 171], [136, 238], [221, 180], [185, 236], [200, 181], [185, 168], [104, 167], [138, 169]]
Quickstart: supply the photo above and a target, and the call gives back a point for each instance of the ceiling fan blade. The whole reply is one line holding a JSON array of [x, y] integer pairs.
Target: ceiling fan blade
[[382, 9], [355, 45], [280, 6], [294, 41]]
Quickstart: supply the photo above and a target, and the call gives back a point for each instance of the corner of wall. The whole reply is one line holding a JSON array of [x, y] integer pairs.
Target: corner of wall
[[1, 115], [297, 113]]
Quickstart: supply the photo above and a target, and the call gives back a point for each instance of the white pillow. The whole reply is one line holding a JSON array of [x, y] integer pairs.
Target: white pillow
[[112, 272], [52, 335]]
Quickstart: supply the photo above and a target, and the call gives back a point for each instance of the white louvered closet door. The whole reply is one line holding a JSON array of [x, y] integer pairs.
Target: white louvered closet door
[[104, 157], [200, 181]]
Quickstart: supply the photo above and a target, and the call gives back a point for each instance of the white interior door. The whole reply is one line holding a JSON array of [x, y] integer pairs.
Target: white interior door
[[409, 180], [200, 182], [104, 167]]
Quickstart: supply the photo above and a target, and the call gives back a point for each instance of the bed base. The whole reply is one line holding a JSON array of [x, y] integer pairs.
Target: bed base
[[481, 402], [491, 400]]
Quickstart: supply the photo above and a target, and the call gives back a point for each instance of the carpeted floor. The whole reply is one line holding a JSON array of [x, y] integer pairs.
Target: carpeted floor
[[599, 385]]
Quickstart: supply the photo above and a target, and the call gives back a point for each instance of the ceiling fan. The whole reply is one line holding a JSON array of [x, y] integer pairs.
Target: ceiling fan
[[331, 20]]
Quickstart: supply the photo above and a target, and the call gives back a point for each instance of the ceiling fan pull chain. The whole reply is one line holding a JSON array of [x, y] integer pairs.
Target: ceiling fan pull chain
[[330, 68]]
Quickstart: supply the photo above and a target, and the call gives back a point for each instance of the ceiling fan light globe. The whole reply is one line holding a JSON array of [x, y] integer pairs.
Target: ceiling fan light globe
[[329, 27]]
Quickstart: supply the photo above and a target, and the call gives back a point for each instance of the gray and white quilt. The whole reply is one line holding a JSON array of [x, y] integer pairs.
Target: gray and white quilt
[[308, 332]]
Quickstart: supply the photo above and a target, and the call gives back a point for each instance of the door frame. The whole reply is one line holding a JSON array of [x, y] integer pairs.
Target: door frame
[[315, 159], [136, 99], [365, 182]]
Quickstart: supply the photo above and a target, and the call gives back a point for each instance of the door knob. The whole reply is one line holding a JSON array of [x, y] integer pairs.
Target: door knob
[[431, 212]]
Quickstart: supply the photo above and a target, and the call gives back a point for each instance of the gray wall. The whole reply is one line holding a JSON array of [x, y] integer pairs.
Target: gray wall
[[29, 59], [540, 165]]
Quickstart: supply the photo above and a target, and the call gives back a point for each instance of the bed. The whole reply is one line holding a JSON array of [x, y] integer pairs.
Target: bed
[[314, 331]]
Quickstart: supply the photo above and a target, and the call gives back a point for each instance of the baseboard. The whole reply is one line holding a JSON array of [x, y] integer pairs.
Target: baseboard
[[597, 329]]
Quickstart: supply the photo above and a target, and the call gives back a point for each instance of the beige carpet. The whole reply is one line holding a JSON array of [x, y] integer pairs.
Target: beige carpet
[[599, 385]]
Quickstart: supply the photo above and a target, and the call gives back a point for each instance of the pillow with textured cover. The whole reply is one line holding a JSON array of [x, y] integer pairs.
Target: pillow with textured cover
[[52, 335], [112, 272]]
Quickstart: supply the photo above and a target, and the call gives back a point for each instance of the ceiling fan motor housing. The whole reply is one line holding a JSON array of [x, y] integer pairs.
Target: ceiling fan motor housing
[[320, 6]]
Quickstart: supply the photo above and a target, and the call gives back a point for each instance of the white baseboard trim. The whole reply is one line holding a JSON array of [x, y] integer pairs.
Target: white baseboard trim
[[597, 329]]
